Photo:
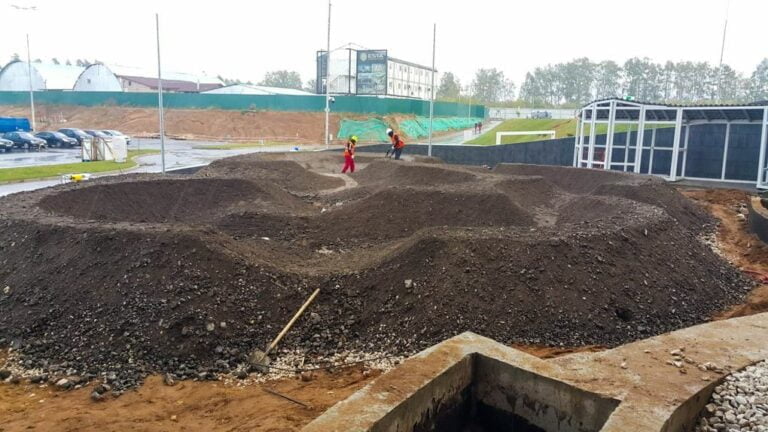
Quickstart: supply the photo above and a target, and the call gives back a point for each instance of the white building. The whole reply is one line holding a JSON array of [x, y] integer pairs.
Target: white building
[[406, 79], [45, 76], [354, 70], [97, 77], [248, 89]]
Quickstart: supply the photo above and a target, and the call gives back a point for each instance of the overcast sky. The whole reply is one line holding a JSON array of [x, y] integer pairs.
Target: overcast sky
[[245, 39]]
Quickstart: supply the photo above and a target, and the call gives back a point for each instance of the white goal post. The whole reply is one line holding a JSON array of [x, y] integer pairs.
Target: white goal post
[[552, 134]]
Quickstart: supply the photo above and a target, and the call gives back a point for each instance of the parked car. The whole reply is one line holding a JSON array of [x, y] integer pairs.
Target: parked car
[[56, 139], [13, 124], [97, 133], [541, 115], [77, 134], [6, 145], [118, 134], [25, 140]]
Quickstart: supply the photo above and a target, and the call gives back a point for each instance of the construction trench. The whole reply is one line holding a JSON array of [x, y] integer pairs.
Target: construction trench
[[185, 276]]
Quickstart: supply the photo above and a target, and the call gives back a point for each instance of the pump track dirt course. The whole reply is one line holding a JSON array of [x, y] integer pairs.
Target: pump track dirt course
[[184, 275]]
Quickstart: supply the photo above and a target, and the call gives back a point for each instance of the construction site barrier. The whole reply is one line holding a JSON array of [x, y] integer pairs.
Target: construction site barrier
[[313, 103]]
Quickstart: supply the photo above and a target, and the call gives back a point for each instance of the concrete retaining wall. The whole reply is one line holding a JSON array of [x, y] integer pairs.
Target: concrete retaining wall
[[758, 219]]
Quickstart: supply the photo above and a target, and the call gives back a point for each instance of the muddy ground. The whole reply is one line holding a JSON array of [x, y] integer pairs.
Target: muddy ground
[[125, 277], [167, 249]]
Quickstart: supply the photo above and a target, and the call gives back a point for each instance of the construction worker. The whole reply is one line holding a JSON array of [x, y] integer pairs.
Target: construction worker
[[397, 143], [349, 155]]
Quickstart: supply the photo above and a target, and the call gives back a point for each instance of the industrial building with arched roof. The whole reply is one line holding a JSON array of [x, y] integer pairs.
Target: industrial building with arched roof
[[45, 76], [97, 77]]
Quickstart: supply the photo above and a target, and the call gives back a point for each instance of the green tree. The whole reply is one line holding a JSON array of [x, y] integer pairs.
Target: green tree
[[758, 83], [310, 86], [489, 85], [55, 61], [282, 79], [607, 80], [15, 57], [450, 87]]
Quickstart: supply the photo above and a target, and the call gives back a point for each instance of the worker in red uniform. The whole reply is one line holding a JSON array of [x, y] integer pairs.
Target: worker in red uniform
[[397, 143], [349, 155]]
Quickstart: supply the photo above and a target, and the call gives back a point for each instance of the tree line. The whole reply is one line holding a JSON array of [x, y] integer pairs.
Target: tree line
[[581, 80]]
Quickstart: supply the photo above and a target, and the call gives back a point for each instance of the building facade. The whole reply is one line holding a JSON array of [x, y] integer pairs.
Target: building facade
[[355, 71]]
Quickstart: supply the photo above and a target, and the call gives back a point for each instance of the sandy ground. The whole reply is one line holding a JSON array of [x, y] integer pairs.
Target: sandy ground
[[742, 248], [187, 406]]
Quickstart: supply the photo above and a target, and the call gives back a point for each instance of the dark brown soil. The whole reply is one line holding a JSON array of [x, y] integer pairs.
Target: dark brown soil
[[136, 275]]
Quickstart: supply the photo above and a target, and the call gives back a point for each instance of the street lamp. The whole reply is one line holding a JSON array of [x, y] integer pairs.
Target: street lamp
[[160, 97], [432, 88], [328, 80], [29, 66]]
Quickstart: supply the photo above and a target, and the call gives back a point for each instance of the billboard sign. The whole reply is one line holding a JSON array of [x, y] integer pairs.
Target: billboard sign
[[322, 64], [372, 72]]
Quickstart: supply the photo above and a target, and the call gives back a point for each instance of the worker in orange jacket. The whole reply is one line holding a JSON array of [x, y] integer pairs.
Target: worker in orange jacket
[[349, 155], [397, 144]]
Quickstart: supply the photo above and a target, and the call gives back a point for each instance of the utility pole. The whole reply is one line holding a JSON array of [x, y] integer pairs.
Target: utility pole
[[160, 96], [432, 97], [31, 87], [722, 51], [328, 80]]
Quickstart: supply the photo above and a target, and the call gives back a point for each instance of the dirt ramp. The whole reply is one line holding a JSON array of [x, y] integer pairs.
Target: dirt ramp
[[395, 173], [663, 196], [160, 201], [288, 174], [623, 212], [578, 181], [531, 191], [599, 286], [399, 212]]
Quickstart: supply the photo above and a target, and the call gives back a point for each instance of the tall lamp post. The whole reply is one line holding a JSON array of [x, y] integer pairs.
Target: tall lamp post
[[29, 67], [432, 96], [328, 80], [160, 97]]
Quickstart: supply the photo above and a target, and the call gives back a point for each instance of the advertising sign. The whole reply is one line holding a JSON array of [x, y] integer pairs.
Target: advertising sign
[[372, 72]]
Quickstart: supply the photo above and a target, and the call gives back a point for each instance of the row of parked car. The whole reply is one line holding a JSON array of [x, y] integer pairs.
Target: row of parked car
[[63, 138]]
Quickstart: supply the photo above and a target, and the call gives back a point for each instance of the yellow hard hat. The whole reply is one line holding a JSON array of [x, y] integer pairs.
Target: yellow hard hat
[[353, 138]]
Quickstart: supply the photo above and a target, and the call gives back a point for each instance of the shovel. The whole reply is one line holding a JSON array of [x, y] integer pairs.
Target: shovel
[[260, 359]]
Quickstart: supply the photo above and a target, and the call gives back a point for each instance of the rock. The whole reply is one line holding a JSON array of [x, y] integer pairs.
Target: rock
[[7, 290], [96, 396], [306, 376], [169, 380], [240, 374], [624, 365], [4, 374], [315, 317], [408, 283], [103, 388], [174, 418], [64, 384], [38, 379], [210, 326]]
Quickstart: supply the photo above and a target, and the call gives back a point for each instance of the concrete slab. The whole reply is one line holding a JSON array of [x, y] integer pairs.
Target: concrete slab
[[650, 391]]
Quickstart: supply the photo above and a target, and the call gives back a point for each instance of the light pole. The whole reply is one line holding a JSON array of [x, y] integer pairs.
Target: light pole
[[29, 68], [722, 51], [432, 97], [160, 96], [328, 80]]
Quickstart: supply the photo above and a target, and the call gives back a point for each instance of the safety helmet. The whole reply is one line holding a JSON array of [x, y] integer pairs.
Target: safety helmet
[[390, 132], [353, 138]]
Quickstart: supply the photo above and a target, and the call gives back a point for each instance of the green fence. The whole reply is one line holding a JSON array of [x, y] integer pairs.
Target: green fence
[[345, 104]]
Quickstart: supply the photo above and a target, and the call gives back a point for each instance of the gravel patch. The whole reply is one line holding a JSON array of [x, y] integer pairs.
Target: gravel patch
[[740, 403]]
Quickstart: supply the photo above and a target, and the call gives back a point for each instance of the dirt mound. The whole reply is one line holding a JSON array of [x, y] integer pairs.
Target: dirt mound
[[531, 191], [398, 174], [285, 173], [127, 276], [193, 200], [193, 123], [572, 180], [394, 213]]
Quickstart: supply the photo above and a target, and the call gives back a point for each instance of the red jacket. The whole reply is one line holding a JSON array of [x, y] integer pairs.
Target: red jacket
[[397, 142]]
